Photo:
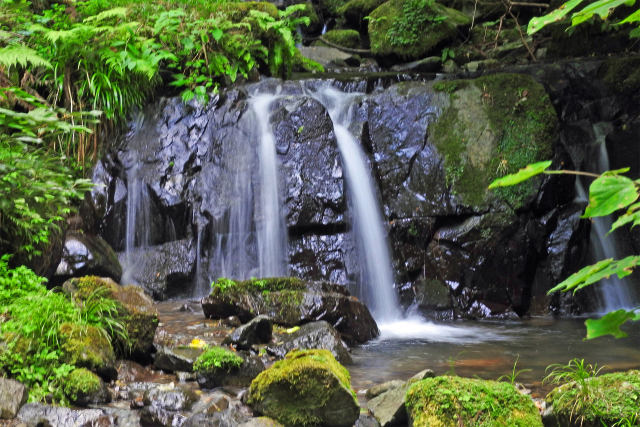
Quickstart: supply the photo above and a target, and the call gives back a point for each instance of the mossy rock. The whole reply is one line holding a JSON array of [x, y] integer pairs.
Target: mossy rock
[[447, 401], [217, 359], [329, 8], [308, 387], [344, 38], [85, 346], [492, 126], [83, 387], [355, 10], [412, 29], [609, 399], [135, 311], [622, 75]]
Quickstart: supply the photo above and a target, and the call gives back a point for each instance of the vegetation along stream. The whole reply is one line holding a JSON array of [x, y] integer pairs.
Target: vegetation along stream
[[319, 213]]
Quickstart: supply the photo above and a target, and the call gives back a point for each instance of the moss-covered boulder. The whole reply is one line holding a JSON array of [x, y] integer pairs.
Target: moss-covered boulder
[[219, 366], [83, 387], [344, 38], [135, 311], [355, 10], [290, 302], [454, 401], [85, 346], [610, 399], [308, 387], [412, 29], [492, 126]]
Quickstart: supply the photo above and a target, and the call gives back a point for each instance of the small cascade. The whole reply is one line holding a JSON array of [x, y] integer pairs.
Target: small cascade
[[614, 293], [138, 224], [368, 225], [272, 234]]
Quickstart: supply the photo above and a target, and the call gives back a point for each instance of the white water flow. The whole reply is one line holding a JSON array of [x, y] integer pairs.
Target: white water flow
[[614, 292], [272, 234], [137, 227], [367, 222]]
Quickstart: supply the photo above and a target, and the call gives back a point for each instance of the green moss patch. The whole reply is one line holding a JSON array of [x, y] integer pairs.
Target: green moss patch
[[86, 346], [81, 382], [610, 399], [494, 125], [217, 359], [308, 387], [270, 284], [411, 29], [622, 74], [356, 10], [345, 38], [455, 401]]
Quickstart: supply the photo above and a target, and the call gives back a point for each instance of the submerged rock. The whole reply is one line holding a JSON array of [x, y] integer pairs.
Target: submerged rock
[[451, 401], [291, 302], [307, 387], [314, 335]]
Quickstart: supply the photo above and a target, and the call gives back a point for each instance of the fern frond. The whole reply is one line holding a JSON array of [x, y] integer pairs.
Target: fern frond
[[14, 55], [116, 12]]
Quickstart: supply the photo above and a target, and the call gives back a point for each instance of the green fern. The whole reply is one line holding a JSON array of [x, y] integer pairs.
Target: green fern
[[14, 55]]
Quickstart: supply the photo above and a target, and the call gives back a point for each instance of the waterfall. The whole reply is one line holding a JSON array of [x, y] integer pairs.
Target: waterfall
[[614, 293], [272, 235], [375, 263]]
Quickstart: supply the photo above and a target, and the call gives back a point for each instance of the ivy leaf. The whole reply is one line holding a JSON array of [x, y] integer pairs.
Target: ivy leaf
[[609, 193], [594, 273], [522, 175], [536, 24], [610, 323]]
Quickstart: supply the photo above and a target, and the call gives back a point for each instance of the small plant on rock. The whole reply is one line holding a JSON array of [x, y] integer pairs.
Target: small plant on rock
[[215, 358]]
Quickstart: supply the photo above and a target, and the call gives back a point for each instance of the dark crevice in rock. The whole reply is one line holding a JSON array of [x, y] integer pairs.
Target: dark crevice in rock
[[317, 229]]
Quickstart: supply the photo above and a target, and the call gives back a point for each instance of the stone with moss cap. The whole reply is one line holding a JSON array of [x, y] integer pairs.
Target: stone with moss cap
[[611, 399], [290, 301], [135, 311], [85, 346], [308, 387], [83, 387], [219, 366], [411, 29], [344, 38], [452, 401], [492, 126]]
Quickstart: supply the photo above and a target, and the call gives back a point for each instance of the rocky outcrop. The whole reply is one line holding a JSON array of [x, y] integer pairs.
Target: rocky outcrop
[[308, 387], [291, 302], [318, 335], [84, 255]]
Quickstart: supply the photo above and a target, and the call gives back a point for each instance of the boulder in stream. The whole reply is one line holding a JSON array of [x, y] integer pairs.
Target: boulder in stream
[[292, 302], [314, 335]]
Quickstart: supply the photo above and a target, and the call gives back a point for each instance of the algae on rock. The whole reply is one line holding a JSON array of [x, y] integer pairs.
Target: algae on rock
[[308, 387], [493, 125], [452, 401]]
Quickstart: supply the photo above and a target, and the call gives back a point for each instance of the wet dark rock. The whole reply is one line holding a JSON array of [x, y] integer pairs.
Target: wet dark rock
[[241, 376], [154, 416], [84, 255], [311, 335], [174, 359], [318, 301], [162, 270], [12, 396], [327, 257], [379, 389], [37, 414], [256, 331], [170, 397], [218, 410]]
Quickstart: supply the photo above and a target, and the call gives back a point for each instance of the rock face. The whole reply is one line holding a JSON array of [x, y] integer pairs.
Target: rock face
[[453, 401], [308, 387], [458, 250], [291, 302], [38, 414], [85, 254], [12, 396], [256, 331]]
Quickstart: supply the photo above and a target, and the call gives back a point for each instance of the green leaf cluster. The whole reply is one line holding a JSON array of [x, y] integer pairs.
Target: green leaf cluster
[[31, 318]]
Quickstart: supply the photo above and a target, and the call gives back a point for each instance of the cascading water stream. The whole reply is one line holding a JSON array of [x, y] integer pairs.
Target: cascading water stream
[[272, 235], [614, 292], [368, 225]]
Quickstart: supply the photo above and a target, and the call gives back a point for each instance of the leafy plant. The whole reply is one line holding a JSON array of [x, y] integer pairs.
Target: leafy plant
[[223, 284], [215, 358], [608, 193], [515, 373]]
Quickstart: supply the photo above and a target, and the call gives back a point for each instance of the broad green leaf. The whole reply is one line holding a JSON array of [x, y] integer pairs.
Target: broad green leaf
[[609, 193], [216, 33], [601, 8], [634, 17], [522, 175], [536, 24], [632, 215], [610, 323], [594, 273]]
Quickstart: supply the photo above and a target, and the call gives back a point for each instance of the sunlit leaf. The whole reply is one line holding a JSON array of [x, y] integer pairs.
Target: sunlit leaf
[[610, 323], [601, 8], [522, 175], [536, 24], [609, 193], [594, 273]]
